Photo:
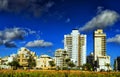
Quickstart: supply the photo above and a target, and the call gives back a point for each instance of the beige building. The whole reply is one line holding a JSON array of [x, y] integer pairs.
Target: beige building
[[60, 56], [75, 45], [100, 57], [43, 62], [99, 43], [23, 56]]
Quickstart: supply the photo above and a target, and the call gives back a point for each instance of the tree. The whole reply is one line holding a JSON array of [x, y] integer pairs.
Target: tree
[[107, 65], [67, 60], [31, 62], [14, 64], [71, 64], [51, 63], [87, 66]]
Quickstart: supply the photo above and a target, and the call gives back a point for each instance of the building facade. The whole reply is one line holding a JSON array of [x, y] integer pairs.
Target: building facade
[[101, 60], [99, 43], [75, 45], [60, 58], [43, 62], [24, 55], [103, 63]]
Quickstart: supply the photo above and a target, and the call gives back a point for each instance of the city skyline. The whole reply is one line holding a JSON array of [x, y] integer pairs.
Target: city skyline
[[41, 25]]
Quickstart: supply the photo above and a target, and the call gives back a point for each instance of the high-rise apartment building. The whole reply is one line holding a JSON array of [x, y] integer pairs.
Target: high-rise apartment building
[[101, 60], [99, 43], [75, 45]]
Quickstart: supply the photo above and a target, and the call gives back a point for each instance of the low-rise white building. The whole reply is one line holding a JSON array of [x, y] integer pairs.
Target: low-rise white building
[[12, 57], [43, 62], [103, 63]]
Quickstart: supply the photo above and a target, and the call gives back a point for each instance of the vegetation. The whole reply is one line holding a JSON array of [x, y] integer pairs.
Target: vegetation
[[52, 64], [108, 66], [87, 67], [53, 73], [14, 64], [71, 64], [31, 62]]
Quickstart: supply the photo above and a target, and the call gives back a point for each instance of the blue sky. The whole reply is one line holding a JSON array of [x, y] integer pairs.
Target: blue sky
[[40, 25]]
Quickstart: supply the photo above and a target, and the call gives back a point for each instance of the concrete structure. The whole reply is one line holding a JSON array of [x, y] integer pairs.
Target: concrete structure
[[43, 62], [102, 62], [12, 57], [100, 57], [75, 44], [99, 43], [23, 55], [4, 63], [60, 56]]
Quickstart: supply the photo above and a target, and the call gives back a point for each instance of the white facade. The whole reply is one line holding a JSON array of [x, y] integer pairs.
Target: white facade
[[83, 48], [102, 62], [75, 44], [60, 56], [12, 58], [43, 62]]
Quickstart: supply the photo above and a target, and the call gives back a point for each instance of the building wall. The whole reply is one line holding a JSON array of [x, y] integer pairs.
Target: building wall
[[60, 56], [23, 55], [102, 61], [43, 62], [99, 44], [83, 49], [75, 44]]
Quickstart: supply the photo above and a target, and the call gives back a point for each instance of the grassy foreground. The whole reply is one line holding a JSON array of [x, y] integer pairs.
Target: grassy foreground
[[53, 73]]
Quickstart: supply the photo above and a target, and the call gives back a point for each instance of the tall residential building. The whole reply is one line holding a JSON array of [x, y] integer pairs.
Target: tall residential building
[[99, 43], [75, 44], [101, 60], [60, 58]]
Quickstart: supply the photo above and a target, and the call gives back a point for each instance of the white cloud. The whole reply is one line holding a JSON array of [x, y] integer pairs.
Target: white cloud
[[8, 35], [115, 39], [38, 43], [104, 19]]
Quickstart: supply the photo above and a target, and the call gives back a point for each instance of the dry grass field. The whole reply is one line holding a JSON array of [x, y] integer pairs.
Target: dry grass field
[[54, 73]]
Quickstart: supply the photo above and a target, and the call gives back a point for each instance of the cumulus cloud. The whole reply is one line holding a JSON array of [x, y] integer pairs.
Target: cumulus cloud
[[9, 35], [36, 7], [104, 19], [115, 39], [38, 43]]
